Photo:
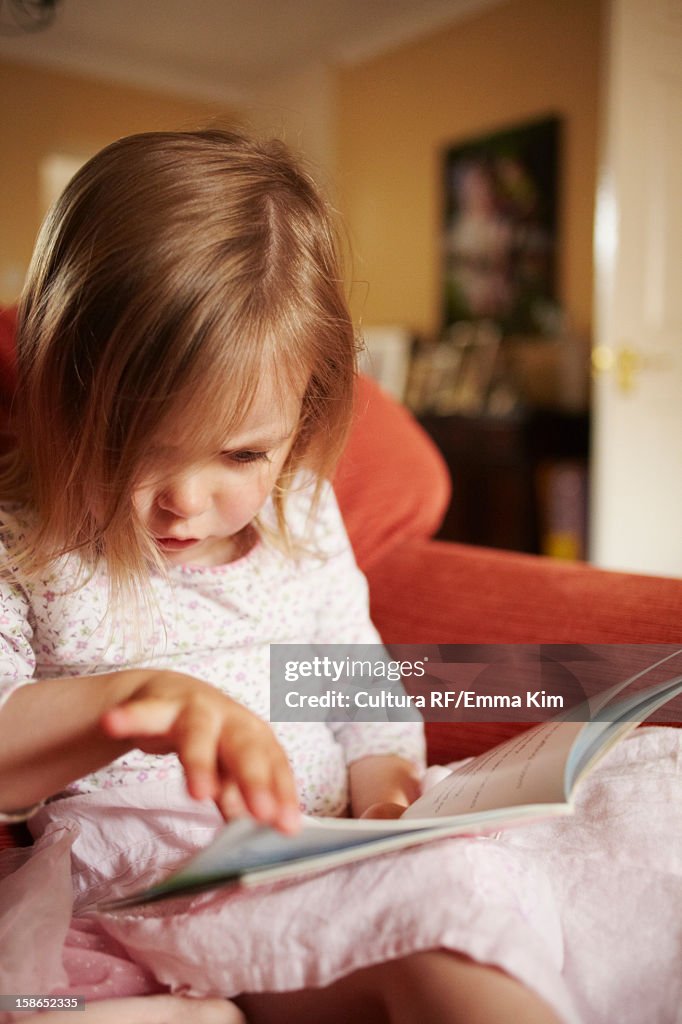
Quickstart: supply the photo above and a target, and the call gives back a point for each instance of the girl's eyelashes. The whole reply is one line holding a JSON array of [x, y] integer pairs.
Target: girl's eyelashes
[[243, 457]]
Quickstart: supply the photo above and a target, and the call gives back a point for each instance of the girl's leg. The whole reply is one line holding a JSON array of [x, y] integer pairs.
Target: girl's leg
[[435, 987], [443, 988]]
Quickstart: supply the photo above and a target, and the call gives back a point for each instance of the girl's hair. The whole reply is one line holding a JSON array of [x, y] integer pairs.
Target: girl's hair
[[176, 271]]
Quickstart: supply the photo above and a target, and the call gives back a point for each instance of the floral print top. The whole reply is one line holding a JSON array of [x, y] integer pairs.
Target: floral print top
[[215, 623]]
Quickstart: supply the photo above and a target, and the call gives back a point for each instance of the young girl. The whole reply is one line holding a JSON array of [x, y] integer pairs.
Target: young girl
[[186, 365]]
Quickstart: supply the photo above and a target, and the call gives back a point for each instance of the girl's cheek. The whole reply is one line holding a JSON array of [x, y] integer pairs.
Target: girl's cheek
[[249, 503]]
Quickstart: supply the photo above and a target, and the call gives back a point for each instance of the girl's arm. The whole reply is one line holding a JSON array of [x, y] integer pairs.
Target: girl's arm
[[385, 758], [382, 786], [58, 730]]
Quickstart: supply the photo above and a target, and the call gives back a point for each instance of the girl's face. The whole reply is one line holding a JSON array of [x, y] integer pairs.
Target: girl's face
[[195, 508]]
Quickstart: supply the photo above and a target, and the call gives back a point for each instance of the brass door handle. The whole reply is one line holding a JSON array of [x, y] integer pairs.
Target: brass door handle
[[627, 363]]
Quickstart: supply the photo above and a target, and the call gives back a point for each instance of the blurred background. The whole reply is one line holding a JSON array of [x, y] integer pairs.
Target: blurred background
[[563, 430]]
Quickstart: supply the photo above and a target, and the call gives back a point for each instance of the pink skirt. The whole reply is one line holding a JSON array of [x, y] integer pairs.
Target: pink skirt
[[586, 911]]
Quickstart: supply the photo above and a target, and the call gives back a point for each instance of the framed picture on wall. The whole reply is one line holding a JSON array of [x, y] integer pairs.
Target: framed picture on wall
[[500, 228]]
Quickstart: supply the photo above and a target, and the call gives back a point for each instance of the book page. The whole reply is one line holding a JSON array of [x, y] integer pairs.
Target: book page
[[245, 844], [522, 779], [622, 717], [655, 674], [318, 847], [527, 769]]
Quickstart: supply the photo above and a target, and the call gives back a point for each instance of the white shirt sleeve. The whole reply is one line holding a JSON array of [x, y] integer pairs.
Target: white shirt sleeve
[[17, 659], [343, 618]]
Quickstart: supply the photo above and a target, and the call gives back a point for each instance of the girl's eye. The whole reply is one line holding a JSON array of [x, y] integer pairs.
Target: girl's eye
[[243, 457]]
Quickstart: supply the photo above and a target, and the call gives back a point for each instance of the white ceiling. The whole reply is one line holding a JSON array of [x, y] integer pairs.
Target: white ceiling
[[223, 49]]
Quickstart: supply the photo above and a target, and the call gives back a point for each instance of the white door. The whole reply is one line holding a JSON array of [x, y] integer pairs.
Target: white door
[[636, 517]]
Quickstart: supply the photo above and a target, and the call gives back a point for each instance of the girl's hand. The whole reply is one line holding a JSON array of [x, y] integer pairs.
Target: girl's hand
[[384, 810], [382, 786], [228, 753]]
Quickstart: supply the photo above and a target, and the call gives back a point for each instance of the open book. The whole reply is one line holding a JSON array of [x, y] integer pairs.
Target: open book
[[531, 776]]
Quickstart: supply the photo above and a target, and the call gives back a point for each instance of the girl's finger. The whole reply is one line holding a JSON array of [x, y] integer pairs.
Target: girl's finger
[[197, 733], [286, 795], [151, 716], [247, 763], [230, 802], [261, 771]]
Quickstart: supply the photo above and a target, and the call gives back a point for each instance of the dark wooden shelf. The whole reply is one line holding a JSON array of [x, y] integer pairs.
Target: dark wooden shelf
[[495, 465]]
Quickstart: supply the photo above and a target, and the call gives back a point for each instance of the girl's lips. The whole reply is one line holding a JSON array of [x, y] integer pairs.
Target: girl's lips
[[171, 544]]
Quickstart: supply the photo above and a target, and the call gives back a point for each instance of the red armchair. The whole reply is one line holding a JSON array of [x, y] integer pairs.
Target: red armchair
[[393, 489], [425, 591]]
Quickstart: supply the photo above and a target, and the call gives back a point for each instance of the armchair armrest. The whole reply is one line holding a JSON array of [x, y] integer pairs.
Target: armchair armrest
[[436, 592], [439, 592]]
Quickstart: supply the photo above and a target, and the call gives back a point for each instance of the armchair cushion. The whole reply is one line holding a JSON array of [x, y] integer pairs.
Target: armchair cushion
[[434, 592], [392, 483]]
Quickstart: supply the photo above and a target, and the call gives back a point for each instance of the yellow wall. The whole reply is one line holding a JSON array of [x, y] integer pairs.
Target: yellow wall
[[397, 113], [46, 111]]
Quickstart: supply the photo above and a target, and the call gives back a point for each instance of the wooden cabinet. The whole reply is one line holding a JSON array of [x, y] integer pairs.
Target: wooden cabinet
[[497, 468]]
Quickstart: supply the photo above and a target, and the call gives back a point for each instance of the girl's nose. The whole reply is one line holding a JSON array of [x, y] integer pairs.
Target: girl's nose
[[186, 497]]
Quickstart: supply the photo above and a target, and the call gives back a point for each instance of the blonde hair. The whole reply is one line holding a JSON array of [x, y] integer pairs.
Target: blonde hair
[[175, 270]]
